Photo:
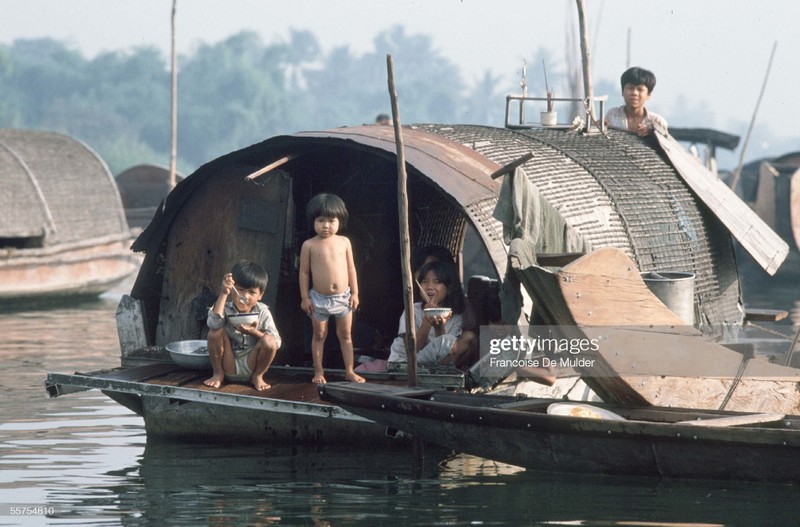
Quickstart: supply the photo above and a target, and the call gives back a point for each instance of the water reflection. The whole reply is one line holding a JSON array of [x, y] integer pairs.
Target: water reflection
[[202, 485]]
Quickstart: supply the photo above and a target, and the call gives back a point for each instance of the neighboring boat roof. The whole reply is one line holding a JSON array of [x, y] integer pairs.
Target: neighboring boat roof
[[705, 135], [56, 189], [144, 185]]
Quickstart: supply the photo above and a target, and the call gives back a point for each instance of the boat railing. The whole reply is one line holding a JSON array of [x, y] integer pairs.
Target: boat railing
[[594, 121]]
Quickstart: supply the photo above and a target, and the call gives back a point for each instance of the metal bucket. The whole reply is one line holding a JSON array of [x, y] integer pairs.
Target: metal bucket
[[675, 289]]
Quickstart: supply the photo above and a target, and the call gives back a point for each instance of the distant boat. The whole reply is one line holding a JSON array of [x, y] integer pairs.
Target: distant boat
[[143, 188], [771, 187], [62, 226]]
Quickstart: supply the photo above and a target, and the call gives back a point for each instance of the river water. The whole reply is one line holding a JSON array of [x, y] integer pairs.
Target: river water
[[82, 459]]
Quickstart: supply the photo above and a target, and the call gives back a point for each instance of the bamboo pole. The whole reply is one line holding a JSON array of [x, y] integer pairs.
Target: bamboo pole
[[738, 172], [585, 58], [405, 238], [173, 152], [628, 50]]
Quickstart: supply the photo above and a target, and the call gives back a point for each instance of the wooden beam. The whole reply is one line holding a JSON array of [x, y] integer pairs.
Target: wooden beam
[[509, 168], [557, 259], [761, 242], [736, 420], [271, 166], [764, 315]]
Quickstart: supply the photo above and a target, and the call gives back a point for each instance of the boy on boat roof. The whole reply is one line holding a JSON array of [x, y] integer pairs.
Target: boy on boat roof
[[637, 86]]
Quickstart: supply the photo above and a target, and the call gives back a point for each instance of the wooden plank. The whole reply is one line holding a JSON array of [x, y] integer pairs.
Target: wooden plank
[[736, 420], [764, 205], [557, 259], [512, 166], [139, 373], [761, 242], [130, 325], [764, 315], [605, 288], [525, 405]]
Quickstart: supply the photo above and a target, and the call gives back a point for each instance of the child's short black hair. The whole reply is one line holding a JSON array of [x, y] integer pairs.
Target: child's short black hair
[[447, 274], [327, 205], [637, 76], [436, 252], [248, 275]]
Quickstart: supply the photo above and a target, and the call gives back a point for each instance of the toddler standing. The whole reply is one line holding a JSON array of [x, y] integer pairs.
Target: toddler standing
[[328, 282]]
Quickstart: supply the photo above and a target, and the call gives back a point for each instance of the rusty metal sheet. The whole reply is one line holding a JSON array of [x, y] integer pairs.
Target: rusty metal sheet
[[458, 170]]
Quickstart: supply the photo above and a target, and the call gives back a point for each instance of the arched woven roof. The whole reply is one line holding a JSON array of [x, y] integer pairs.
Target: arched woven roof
[[56, 188], [616, 190]]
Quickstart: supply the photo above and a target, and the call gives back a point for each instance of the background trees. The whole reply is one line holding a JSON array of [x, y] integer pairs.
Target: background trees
[[231, 94]]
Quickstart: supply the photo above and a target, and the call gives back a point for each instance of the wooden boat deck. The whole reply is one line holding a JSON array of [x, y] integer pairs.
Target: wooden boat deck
[[176, 404], [291, 392]]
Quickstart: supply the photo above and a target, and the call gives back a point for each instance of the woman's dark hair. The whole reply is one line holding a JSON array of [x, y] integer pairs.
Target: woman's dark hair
[[327, 206], [248, 275], [447, 274], [437, 252], [637, 76]]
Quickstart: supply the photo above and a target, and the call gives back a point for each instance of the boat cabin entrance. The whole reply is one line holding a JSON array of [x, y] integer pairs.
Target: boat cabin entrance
[[255, 209]]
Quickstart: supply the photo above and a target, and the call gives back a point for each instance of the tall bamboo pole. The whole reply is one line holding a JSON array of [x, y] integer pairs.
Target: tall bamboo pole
[[173, 152], [738, 173], [405, 238], [585, 58]]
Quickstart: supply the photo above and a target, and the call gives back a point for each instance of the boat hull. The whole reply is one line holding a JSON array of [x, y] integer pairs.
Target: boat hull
[[87, 268], [176, 405], [280, 422], [565, 444]]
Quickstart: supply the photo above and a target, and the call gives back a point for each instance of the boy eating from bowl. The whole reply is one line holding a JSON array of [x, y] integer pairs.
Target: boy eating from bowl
[[241, 350]]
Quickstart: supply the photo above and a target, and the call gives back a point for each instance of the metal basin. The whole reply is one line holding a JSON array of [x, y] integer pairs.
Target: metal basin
[[190, 354]]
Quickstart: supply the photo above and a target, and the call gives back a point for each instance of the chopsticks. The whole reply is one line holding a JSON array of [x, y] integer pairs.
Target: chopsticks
[[422, 292]]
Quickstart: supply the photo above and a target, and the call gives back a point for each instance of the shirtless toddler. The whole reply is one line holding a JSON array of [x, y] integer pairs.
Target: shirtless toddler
[[326, 264]]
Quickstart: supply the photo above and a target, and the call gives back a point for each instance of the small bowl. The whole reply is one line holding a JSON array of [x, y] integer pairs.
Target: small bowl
[[191, 354], [243, 319], [437, 311]]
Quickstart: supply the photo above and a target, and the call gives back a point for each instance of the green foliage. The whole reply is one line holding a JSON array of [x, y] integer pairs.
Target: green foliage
[[230, 94]]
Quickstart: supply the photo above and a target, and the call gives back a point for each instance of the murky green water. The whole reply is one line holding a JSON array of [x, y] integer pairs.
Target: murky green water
[[87, 461]]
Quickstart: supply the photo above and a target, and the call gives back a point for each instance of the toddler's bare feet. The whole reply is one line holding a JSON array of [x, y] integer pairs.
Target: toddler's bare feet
[[215, 381], [259, 384], [319, 379], [353, 377]]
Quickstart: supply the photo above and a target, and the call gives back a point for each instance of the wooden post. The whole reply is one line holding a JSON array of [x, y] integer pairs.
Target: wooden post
[[587, 69], [173, 153], [628, 50], [405, 238], [735, 178]]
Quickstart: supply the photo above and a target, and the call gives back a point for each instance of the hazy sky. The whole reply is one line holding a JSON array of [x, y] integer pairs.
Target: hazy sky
[[709, 55]]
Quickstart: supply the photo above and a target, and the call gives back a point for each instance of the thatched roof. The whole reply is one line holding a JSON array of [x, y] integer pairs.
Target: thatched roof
[[55, 189], [144, 185]]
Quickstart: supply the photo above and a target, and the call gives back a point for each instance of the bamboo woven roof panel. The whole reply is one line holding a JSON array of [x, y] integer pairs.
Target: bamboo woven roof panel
[[77, 196], [22, 214], [618, 190]]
